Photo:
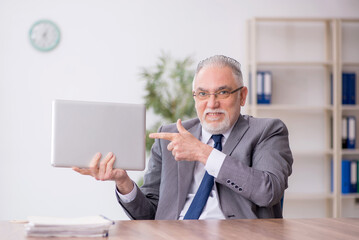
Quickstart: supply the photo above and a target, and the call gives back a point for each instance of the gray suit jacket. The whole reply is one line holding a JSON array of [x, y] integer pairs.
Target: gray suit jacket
[[250, 183]]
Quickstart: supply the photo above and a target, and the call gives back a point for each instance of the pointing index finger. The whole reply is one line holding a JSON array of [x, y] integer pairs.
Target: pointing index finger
[[163, 135]]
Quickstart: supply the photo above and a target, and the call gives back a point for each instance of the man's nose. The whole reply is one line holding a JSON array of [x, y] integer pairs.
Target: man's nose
[[212, 101]]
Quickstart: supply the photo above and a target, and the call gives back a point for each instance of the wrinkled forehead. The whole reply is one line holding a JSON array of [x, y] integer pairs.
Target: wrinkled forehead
[[213, 78]]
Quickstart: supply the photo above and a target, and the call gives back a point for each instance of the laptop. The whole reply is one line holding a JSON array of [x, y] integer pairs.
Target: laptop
[[81, 129]]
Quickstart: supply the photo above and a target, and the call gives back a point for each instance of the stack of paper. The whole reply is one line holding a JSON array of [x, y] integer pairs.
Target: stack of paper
[[94, 226]]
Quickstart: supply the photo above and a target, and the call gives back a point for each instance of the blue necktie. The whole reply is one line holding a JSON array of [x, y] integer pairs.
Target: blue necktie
[[202, 194]]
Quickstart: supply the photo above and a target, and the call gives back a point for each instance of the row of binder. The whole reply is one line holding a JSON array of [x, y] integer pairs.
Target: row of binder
[[350, 177], [348, 88], [348, 132], [264, 88]]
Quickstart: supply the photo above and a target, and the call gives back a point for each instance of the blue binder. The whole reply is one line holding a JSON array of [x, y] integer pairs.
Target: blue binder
[[264, 87], [260, 87], [345, 92], [348, 183], [267, 89], [346, 176], [349, 88]]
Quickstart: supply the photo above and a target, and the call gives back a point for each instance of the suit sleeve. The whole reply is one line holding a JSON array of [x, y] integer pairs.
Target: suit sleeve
[[264, 180], [144, 205]]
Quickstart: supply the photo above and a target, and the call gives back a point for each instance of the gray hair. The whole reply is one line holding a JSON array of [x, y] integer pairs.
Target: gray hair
[[221, 61]]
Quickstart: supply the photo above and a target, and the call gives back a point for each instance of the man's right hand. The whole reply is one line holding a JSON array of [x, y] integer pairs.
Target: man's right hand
[[104, 171]]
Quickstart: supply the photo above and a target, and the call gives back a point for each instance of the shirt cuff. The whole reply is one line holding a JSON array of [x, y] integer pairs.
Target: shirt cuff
[[214, 162], [128, 197]]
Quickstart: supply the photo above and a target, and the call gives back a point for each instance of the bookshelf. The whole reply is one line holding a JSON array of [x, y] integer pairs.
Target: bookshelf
[[303, 54], [348, 61]]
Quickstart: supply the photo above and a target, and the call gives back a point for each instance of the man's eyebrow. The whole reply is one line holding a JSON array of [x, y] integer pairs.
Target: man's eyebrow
[[223, 87], [218, 89], [201, 89]]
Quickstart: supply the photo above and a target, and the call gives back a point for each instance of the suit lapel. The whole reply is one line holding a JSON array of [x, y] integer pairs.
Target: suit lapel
[[185, 172], [239, 129]]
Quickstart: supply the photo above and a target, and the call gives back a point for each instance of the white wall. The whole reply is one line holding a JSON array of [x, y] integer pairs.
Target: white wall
[[103, 46]]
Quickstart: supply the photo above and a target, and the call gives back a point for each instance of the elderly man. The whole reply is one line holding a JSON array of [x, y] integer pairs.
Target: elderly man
[[221, 165]]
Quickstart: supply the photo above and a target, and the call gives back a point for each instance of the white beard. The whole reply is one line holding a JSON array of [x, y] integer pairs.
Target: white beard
[[221, 127]]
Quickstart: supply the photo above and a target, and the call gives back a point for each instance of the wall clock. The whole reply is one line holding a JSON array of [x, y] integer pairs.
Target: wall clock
[[44, 35]]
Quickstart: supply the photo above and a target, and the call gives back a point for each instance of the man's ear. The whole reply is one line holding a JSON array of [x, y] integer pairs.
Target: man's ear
[[243, 95]]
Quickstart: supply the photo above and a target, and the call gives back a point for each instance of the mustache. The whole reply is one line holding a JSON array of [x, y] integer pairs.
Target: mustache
[[214, 111]]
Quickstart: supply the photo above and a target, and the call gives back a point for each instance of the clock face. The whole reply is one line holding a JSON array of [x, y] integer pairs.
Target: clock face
[[44, 35]]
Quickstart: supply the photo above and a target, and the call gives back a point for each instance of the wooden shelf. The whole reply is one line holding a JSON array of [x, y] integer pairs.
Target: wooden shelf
[[349, 152], [356, 64], [349, 20], [273, 19], [317, 196], [350, 107], [350, 196], [292, 107], [295, 63], [307, 196], [302, 153], [289, 107]]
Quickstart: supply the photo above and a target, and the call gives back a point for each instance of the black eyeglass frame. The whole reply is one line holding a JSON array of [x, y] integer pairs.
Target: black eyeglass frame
[[216, 93]]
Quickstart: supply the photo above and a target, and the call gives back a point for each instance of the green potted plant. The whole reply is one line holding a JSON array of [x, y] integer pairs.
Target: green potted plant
[[169, 91]]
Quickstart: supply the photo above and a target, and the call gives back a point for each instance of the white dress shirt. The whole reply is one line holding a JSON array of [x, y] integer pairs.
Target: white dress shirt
[[213, 165]]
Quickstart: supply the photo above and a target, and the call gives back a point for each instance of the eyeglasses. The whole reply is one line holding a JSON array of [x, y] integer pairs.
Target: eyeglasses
[[221, 94]]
